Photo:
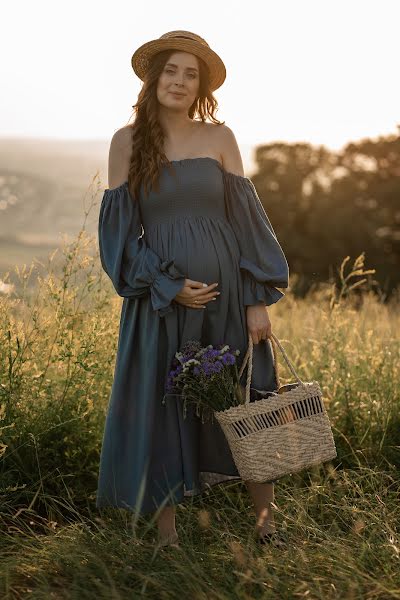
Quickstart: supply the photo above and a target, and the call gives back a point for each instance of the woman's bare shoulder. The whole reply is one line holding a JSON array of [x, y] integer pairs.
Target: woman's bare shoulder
[[214, 138], [122, 138], [119, 157], [229, 150]]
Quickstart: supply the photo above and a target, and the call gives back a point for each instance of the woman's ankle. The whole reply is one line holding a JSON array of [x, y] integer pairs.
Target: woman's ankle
[[166, 522], [169, 537], [265, 521]]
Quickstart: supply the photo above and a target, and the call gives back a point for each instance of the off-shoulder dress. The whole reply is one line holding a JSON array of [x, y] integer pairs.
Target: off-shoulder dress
[[205, 224]]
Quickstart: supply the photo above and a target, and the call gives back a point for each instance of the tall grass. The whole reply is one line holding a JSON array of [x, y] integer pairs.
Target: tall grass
[[59, 334]]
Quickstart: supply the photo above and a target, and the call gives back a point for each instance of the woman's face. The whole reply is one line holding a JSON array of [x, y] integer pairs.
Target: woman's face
[[180, 74]]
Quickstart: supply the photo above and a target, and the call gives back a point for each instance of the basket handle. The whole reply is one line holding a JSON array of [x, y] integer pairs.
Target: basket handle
[[249, 358]]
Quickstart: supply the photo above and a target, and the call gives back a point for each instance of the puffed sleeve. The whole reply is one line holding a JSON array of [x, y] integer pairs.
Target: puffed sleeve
[[262, 262], [134, 269]]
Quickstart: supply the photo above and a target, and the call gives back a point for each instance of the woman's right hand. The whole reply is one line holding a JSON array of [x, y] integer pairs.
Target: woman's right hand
[[196, 290]]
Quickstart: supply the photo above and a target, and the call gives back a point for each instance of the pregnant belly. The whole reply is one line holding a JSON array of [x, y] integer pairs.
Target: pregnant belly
[[202, 250], [202, 264]]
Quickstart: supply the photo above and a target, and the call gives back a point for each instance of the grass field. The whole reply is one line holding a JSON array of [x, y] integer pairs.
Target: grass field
[[57, 352]]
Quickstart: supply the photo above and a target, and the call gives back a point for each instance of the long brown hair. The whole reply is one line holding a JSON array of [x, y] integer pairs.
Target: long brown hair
[[147, 156]]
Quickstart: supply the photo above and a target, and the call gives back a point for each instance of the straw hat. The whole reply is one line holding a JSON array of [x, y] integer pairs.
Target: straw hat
[[185, 41]]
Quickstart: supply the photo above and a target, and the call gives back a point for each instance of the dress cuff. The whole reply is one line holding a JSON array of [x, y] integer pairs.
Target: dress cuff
[[259, 293], [258, 287], [165, 287]]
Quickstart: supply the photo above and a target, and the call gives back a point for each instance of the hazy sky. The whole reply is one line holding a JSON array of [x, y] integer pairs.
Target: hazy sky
[[297, 70]]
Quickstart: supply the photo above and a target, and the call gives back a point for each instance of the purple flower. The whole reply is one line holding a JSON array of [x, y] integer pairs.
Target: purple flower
[[211, 353], [227, 359], [207, 368]]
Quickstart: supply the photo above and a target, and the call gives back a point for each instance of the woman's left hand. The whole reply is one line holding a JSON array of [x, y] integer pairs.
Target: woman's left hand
[[258, 323]]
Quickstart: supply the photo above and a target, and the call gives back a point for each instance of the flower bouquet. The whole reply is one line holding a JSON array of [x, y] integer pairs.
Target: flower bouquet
[[206, 377]]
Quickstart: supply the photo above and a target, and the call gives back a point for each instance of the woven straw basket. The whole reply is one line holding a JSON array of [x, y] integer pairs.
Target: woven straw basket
[[280, 434]]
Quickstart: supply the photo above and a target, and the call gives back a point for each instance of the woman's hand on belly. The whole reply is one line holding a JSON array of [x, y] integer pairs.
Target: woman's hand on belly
[[258, 322], [195, 294]]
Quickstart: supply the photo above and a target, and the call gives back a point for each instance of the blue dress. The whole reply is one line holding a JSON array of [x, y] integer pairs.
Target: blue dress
[[209, 225]]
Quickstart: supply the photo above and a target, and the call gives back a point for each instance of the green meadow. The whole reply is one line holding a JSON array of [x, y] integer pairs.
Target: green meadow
[[59, 332]]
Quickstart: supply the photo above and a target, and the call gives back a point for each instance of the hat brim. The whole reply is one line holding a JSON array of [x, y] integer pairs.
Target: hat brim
[[141, 57]]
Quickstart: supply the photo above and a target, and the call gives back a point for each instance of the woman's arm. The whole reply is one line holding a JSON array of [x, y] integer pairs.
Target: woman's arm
[[263, 264]]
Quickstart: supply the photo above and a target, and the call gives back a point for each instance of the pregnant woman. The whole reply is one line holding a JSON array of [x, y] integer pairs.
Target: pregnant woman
[[186, 242]]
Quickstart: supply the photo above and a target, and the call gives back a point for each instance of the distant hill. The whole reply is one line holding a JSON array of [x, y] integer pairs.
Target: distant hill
[[42, 189]]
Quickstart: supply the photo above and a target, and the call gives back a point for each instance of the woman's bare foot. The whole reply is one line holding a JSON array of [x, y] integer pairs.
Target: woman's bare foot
[[169, 540], [268, 527], [275, 538]]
